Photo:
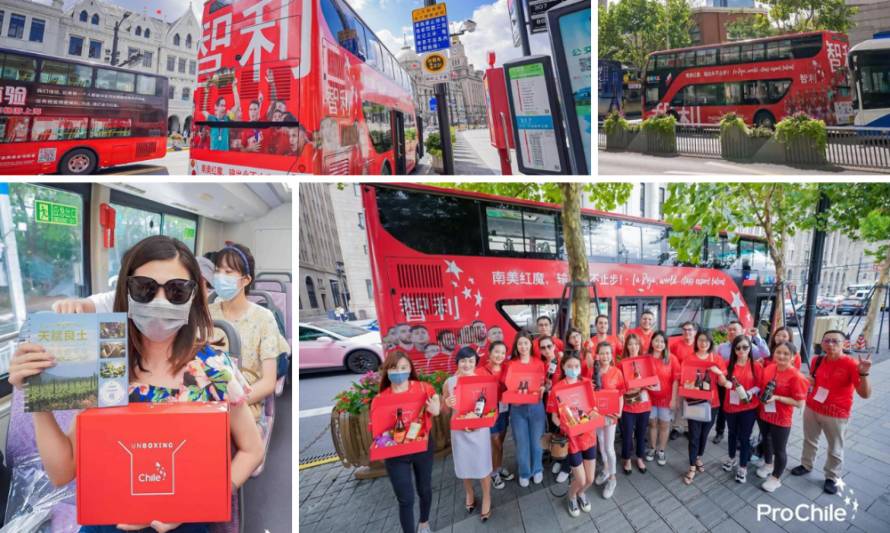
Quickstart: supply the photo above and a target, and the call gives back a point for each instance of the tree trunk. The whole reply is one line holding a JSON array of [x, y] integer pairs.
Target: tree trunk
[[576, 254], [778, 316], [877, 301]]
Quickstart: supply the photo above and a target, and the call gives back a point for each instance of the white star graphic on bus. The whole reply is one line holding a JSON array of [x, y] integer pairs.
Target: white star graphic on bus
[[453, 268], [479, 298], [453, 283], [736, 301], [847, 500], [472, 281], [467, 293]]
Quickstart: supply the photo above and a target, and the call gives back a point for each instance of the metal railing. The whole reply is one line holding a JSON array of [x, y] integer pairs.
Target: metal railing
[[859, 147], [698, 139]]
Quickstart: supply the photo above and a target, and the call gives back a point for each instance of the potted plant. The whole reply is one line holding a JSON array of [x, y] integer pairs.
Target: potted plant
[[433, 146], [805, 140], [660, 132], [177, 141], [619, 132], [350, 424]]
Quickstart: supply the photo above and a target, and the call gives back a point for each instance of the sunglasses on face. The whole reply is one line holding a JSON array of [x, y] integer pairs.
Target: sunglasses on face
[[743, 347], [546, 346], [144, 290]]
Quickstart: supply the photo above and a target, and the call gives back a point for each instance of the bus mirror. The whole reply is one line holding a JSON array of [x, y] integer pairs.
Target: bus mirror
[[107, 221]]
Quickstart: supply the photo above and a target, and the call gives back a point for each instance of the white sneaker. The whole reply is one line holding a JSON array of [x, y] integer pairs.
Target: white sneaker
[[506, 475], [523, 482], [660, 458], [601, 478], [582, 501], [771, 484], [741, 475], [729, 464], [573, 507], [764, 471], [539, 477], [562, 477], [757, 462], [610, 488], [556, 468]]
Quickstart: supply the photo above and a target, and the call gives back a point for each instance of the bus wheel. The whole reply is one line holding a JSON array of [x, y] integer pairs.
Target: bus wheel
[[385, 171], [765, 119], [79, 161], [362, 361]]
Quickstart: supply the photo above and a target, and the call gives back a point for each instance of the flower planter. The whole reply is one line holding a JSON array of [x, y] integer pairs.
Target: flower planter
[[804, 151], [660, 143], [734, 144], [438, 164], [618, 139]]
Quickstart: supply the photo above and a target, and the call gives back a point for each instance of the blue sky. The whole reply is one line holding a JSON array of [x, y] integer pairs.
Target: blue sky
[[390, 18]]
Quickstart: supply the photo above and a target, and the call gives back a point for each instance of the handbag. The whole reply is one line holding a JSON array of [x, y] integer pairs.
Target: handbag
[[699, 411]]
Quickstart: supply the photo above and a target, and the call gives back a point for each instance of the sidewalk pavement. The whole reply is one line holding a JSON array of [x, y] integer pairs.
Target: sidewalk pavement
[[473, 155], [332, 500]]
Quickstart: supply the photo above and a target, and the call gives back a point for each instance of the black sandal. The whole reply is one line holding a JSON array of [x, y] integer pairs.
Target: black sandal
[[485, 516], [642, 469], [470, 508], [699, 465]]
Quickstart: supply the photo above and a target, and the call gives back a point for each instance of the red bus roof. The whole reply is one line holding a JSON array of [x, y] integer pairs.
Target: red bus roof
[[747, 41], [533, 203]]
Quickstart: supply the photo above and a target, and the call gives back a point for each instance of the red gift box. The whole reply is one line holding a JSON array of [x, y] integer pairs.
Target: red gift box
[[608, 402], [645, 366], [517, 374], [688, 376], [154, 461], [578, 396], [467, 391], [383, 418]]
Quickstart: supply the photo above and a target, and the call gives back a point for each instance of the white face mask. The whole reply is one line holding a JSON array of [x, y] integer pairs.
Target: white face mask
[[158, 320]]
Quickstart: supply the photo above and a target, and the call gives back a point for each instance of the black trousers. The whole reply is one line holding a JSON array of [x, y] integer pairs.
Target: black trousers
[[721, 416], [775, 440], [399, 470], [698, 437]]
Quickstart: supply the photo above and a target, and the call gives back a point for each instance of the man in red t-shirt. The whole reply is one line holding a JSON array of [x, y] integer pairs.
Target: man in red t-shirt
[[602, 335], [834, 377], [645, 330], [682, 347]]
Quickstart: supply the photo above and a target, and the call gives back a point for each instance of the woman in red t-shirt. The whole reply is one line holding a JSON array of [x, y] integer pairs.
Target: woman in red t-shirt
[[742, 384], [635, 416], [663, 397], [527, 420], [582, 448], [397, 377], [608, 377], [699, 429], [781, 335], [497, 354], [789, 390]]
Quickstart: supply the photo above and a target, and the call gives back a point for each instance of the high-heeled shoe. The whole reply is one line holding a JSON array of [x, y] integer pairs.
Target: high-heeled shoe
[[470, 508], [485, 516]]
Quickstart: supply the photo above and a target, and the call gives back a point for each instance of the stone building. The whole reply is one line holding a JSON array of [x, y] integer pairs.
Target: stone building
[[321, 273], [146, 41]]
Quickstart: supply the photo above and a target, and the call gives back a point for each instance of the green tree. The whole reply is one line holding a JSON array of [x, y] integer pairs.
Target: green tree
[[779, 209], [630, 30], [794, 16], [604, 196]]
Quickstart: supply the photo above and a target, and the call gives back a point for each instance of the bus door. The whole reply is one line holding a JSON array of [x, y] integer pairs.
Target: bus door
[[398, 130], [630, 309]]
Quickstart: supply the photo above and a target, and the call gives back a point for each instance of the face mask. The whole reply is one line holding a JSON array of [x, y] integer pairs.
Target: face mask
[[397, 378], [158, 320], [226, 286], [573, 372]]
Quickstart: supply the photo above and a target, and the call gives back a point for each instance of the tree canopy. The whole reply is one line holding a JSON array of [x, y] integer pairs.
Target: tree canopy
[[795, 16]]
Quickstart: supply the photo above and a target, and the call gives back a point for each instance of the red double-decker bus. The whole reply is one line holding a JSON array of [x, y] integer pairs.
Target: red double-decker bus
[[74, 117], [449, 266], [299, 86], [761, 80]]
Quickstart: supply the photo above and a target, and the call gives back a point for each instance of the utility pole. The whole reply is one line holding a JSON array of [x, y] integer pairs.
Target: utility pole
[[815, 275], [117, 26], [523, 28], [444, 125]]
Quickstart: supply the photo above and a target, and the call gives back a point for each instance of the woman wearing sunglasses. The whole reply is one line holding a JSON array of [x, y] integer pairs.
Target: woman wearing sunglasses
[[170, 360], [261, 341]]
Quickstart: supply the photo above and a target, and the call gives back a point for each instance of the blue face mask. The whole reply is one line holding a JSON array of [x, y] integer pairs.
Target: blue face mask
[[573, 372], [226, 286], [397, 378]]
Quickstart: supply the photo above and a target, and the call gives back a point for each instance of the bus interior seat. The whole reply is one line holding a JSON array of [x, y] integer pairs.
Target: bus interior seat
[[267, 300], [287, 285]]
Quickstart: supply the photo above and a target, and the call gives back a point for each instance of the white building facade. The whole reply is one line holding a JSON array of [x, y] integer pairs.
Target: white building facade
[[352, 233], [86, 32]]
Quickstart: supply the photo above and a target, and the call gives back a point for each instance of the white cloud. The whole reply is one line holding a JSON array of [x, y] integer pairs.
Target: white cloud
[[357, 4], [493, 32], [394, 42]]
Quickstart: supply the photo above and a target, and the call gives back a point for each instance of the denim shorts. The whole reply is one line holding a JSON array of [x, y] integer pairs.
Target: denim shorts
[[663, 414], [503, 421], [575, 458]]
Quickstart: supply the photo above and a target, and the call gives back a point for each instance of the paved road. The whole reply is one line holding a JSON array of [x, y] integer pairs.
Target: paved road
[[173, 164], [316, 397], [631, 163]]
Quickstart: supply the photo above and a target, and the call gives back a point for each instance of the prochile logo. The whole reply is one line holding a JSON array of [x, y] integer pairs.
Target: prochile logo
[[152, 467], [810, 512]]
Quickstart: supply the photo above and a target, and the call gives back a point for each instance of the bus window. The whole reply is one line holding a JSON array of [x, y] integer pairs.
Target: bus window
[[540, 233], [333, 17], [753, 52], [103, 128], [716, 313], [778, 50], [665, 61], [59, 128], [654, 240], [805, 47], [504, 229], [631, 243], [359, 41], [729, 55], [50, 254], [14, 129], [115, 81], [132, 225], [180, 228], [19, 68], [54, 73], [680, 310], [372, 50], [522, 315], [706, 58], [603, 237], [147, 85], [379, 126]]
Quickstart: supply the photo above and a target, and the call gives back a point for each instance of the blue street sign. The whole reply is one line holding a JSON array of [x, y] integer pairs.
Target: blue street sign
[[432, 104], [431, 35]]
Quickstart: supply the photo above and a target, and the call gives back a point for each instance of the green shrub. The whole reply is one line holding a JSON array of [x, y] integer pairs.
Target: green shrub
[[433, 143], [731, 120], [660, 124], [761, 132], [411, 134], [801, 126]]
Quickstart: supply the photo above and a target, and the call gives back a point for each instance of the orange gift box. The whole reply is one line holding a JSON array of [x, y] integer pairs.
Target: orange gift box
[[607, 402], [687, 375], [645, 366], [383, 418], [578, 396], [517, 374], [467, 391], [163, 461]]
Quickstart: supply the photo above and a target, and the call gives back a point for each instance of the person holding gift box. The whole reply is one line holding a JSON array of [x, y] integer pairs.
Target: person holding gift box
[[682, 347], [635, 416], [397, 376], [742, 385], [171, 359], [528, 420], [699, 429], [497, 355], [471, 448], [608, 377], [784, 388], [582, 448], [663, 397], [552, 360]]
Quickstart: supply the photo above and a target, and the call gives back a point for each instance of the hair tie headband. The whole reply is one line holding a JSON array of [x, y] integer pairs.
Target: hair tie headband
[[241, 255]]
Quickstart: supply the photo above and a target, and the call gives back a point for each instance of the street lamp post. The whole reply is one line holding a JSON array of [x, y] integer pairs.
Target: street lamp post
[[444, 126]]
